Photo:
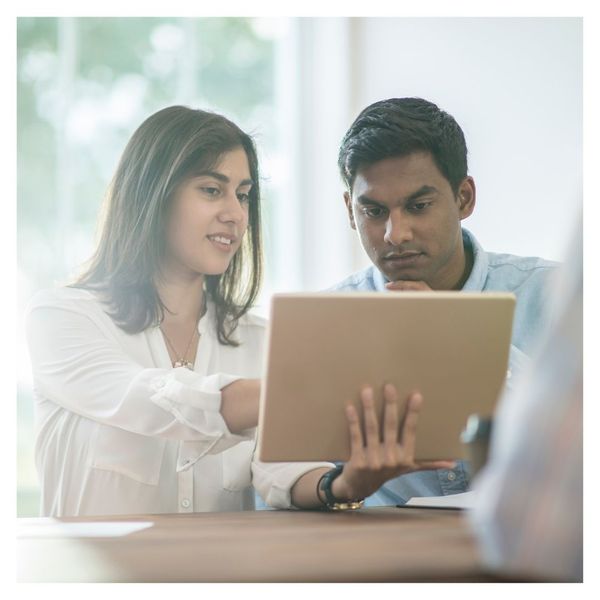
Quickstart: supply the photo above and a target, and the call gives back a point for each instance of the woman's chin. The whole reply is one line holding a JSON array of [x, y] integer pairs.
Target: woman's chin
[[211, 268]]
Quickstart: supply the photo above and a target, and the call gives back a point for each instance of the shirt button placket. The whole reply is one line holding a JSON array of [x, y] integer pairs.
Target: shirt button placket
[[186, 490]]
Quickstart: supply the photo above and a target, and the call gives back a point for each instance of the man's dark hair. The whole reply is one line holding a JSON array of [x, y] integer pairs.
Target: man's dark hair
[[401, 126]]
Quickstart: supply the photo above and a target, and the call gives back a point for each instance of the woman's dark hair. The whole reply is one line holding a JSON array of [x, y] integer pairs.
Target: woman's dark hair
[[401, 126], [167, 149]]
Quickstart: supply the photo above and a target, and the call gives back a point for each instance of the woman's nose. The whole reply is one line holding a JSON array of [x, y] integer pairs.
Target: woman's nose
[[233, 210]]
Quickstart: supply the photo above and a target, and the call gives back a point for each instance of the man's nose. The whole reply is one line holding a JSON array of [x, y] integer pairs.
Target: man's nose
[[398, 229]]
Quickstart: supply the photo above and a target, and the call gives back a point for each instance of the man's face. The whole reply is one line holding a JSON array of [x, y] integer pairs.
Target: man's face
[[408, 219]]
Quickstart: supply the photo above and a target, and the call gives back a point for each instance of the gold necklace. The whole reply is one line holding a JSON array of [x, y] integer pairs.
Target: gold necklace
[[182, 360]]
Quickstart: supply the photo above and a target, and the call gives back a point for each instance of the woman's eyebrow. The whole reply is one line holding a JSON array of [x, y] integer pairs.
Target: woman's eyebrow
[[223, 178]]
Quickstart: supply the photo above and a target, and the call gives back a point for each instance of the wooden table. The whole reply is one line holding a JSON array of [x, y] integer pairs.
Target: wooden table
[[370, 545]]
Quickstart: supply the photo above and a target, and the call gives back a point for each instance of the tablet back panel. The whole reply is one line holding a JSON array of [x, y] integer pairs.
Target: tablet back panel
[[452, 346]]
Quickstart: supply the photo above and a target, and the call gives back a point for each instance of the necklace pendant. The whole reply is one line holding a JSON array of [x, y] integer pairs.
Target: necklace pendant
[[183, 363]]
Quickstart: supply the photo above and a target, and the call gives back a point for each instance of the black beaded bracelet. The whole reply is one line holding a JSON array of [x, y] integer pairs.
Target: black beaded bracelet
[[319, 487], [328, 476]]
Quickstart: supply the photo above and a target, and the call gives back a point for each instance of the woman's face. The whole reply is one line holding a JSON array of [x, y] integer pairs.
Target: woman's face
[[209, 216]]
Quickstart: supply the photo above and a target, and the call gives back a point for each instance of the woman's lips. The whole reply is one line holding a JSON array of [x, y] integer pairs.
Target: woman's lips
[[225, 243]]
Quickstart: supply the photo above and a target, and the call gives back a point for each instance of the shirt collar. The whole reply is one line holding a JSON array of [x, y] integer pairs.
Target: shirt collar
[[476, 279], [479, 271]]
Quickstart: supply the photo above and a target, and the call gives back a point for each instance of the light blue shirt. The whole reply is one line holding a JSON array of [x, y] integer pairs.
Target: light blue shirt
[[527, 278]]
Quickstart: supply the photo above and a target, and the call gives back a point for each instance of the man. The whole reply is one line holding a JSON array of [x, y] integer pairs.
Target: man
[[404, 164]]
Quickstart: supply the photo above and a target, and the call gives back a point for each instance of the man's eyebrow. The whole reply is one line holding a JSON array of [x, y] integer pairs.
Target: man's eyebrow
[[223, 178], [362, 199], [422, 191]]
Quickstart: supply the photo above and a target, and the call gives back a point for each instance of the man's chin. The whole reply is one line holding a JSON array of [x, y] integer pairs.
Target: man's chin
[[401, 274]]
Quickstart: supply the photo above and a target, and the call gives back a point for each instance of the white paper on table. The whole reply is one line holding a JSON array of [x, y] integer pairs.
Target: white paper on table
[[81, 530], [464, 500]]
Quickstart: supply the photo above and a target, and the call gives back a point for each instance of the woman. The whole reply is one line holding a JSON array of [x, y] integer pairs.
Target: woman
[[145, 367]]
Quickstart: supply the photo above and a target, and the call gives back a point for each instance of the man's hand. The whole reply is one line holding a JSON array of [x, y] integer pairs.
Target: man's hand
[[408, 286], [372, 462]]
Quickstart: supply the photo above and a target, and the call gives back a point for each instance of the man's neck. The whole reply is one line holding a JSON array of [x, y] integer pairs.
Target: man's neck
[[459, 269], [469, 259]]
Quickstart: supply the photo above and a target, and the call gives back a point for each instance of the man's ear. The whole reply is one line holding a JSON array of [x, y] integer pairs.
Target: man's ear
[[348, 201], [466, 198]]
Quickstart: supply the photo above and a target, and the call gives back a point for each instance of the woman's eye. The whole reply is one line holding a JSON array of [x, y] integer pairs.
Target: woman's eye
[[210, 191], [244, 197]]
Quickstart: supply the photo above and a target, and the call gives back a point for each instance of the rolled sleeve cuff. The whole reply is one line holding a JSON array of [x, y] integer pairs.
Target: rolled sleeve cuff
[[195, 401]]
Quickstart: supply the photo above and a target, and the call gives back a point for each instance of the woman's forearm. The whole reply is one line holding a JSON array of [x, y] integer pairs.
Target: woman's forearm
[[239, 404]]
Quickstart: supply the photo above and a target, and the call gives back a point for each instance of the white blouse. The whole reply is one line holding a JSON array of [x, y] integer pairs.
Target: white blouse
[[119, 431]]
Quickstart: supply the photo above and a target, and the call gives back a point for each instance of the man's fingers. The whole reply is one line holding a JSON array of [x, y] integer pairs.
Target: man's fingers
[[356, 438], [406, 285], [371, 427], [409, 428], [390, 423]]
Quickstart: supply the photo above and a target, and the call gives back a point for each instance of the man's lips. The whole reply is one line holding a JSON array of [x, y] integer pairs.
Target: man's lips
[[403, 258]]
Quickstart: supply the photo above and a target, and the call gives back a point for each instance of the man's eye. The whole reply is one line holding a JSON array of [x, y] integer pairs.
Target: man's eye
[[420, 206], [373, 212]]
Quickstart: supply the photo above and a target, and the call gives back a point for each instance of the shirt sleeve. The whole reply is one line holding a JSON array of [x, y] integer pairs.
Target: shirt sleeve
[[274, 480], [79, 367]]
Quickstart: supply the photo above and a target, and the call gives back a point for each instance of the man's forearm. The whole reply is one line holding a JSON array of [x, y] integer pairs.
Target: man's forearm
[[304, 491]]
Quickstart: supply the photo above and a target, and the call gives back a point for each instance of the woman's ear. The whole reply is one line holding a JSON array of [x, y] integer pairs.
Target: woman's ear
[[348, 202]]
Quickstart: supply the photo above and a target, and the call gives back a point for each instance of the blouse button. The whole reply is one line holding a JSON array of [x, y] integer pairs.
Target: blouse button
[[185, 503]]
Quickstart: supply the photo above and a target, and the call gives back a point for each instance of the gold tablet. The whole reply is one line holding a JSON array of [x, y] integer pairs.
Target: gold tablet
[[322, 348]]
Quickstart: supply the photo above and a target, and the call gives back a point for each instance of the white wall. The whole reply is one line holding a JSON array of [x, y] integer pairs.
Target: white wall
[[515, 87]]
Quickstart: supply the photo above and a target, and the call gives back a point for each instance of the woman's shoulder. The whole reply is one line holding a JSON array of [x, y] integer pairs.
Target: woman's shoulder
[[64, 297], [252, 319], [52, 311], [251, 328]]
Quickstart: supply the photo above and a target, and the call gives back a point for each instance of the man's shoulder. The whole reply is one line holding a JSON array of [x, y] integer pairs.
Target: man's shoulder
[[515, 271], [362, 280], [523, 263]]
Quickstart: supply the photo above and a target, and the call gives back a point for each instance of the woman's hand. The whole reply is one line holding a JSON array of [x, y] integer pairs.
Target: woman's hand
[[372, 462]]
